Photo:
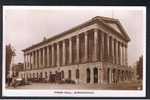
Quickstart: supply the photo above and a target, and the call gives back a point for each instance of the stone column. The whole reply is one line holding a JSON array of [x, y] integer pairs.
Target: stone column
[[113, 59], [77, 48], [117, 60], [120, 53], [70, 51], [108, 49], [27, 62], [39, 58], [91, 76], [58, 62], [30, 60], [86, 46], [43, 57], [95, 44], [48, 56], [52, 54], [126, 56], [24, 61], [110, 76], [35, 59], [102, 47], [64, 53], [99, 75]]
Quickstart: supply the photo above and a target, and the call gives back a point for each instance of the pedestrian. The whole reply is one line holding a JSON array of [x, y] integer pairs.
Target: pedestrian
[[14, 81]]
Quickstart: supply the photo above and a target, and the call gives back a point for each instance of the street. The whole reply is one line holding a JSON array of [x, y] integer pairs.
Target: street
[[119, 86]]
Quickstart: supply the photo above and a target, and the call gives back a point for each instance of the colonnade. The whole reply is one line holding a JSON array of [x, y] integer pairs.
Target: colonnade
[[89, 46]]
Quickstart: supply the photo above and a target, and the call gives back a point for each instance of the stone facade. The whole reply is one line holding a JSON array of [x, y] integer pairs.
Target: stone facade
[[93, 52]]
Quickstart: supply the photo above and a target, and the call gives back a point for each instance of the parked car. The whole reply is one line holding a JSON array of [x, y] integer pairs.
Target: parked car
[[19, 81]]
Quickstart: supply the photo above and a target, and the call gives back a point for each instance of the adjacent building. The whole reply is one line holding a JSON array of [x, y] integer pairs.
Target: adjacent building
[[10, 54], [16, 68], [92, 52], [139, 68]]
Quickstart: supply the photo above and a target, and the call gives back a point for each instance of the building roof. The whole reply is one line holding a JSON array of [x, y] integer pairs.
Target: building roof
[[111, 23]]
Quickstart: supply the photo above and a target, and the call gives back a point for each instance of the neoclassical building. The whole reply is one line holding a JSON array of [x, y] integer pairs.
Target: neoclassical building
[[92, 52]]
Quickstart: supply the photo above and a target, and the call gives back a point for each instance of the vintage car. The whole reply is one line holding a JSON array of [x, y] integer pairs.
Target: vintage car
[[20, 82]]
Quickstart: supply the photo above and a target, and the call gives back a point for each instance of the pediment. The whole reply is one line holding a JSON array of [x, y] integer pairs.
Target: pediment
[[116, 25], [113, 24]]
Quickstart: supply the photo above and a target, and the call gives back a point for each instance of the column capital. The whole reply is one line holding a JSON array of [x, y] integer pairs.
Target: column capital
[[95, 30], [85, 33]]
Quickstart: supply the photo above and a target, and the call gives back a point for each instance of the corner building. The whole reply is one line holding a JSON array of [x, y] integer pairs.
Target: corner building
[[92, 52]]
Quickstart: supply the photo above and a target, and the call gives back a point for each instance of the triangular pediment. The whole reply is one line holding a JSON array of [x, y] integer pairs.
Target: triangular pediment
[[115, 25]]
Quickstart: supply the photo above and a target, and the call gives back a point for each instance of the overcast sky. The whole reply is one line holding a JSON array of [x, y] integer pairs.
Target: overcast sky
[[24, 27]]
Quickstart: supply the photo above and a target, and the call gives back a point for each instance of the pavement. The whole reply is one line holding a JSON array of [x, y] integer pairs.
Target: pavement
[[119, 86]]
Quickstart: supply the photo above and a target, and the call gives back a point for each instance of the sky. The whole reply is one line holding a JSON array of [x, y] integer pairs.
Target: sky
[[25, 26]]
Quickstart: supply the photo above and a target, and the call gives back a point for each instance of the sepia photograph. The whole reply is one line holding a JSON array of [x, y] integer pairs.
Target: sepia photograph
[[74, 51]]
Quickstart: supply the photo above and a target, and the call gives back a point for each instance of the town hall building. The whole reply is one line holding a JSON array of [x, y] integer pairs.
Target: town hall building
[[92, 52]]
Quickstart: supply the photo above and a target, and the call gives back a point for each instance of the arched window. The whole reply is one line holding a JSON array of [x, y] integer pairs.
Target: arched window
[[45, 74], [77, 74], [37, 75], [62, 74], [69, 73], [88, 75], [41, 75], [95, 75]]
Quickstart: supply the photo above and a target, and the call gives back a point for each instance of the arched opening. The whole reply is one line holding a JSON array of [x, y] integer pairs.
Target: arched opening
[[126, 75], [122, 79], [95, 75], [37, 76], [118, 76], [62, 74], [88, 75], [50, 76], [69, 74], [41, 76], [77, 74], [33, 78], [108, 75], [46, 75]]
